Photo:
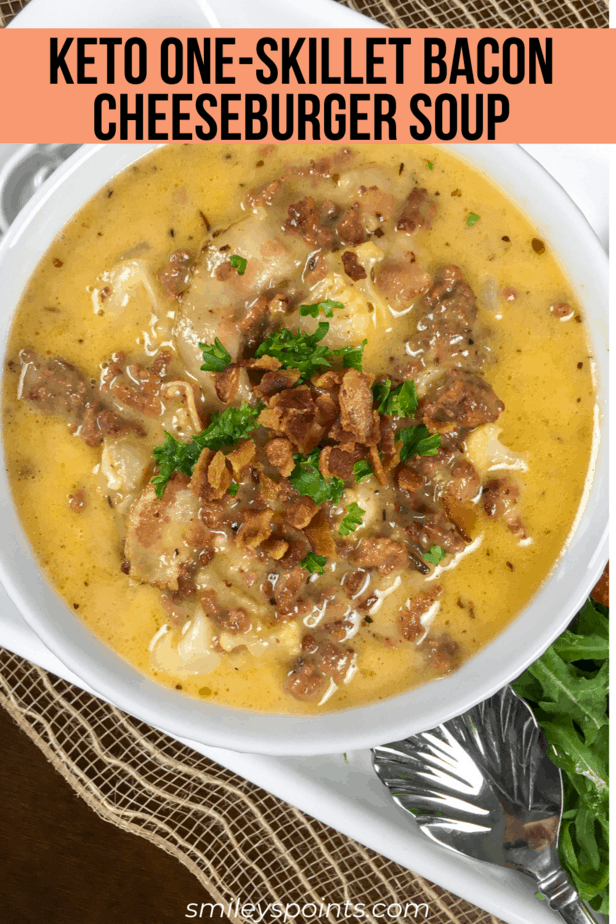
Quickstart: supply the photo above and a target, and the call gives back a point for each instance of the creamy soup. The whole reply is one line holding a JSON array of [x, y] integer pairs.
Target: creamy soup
[[297, 428]]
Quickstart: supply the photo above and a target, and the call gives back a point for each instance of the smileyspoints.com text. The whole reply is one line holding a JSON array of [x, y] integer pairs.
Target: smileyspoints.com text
[[261, 913]]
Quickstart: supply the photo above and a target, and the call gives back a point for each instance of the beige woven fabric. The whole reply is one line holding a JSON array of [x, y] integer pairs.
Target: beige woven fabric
[[239, 841]]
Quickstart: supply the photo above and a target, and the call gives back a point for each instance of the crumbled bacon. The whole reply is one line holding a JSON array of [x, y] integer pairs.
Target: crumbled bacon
[[318, 532], [356, 404], [273, 382], [301, 512], [279, 453], [256, 527], [335, 463], [227, 383]]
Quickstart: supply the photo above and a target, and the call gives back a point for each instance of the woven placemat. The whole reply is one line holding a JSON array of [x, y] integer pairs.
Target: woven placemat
[[459, 14], [237, 839]]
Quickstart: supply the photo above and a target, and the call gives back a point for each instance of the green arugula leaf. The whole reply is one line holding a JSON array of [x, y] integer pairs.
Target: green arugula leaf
[[435, 555], [308, 480], [298, 351], [568, 690], [352, 520], [352, 356], [313, 563], [362, 470], [238, 263], [418, 441], [327, 307], [215, 357], [400, 401], [226, 428], [471, 219]]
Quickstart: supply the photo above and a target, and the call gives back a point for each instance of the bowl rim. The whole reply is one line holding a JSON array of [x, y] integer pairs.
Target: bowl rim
[[520, 643]]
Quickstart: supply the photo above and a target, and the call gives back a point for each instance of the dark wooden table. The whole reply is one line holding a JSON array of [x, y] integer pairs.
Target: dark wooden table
[[61, 864]]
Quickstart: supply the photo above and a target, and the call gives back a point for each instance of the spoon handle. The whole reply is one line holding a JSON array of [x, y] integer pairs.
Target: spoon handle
[[564, 899]]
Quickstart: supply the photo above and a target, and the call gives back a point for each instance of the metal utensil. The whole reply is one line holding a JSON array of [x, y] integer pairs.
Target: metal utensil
[[483, 785]]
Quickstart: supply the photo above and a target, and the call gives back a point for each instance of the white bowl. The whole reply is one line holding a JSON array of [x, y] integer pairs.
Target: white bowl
[[566, 229]]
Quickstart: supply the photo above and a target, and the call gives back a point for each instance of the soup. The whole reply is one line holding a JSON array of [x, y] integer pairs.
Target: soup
[[297, 428]]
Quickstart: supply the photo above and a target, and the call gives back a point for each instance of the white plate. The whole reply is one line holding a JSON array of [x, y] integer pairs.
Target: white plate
[[348, 796], [189, 14]]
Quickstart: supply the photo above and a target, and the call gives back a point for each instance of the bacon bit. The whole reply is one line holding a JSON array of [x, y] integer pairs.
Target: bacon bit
[[199, 484], [352, 266], [319, 535], [273, 382], [377, 466], [356, 404], [269, 487], [186, 391], [327, 381], [275, 547], [326, 410], [381, 552], [255, 528], [77, 501], [241, 457], [409, 620], [271, 418], [302, 429], [218, 475], [227, 383], [335, 463], [268, 363], [300, 513], [409, 479], [279, 453]]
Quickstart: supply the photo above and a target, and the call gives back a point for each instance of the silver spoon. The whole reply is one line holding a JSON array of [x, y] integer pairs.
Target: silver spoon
[[483, 785]]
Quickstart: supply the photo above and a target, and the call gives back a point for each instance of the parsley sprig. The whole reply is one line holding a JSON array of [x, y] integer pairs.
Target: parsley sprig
[[238, 263], [215, 357], [226, 429], [353, 519], [313, 563], [435, 555], [306, 352], [418, 441], [362, 470], [400, 401], [308, 480], [327, 307]]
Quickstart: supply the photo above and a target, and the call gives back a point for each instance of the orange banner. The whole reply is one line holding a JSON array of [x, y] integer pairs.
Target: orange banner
[[288, 85]]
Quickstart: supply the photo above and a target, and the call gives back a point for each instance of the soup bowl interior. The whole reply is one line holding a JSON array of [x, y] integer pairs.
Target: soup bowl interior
[[564, 227]]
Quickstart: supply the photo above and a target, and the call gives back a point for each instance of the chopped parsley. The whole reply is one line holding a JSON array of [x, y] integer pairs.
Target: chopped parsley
[[400, 401], [327, 307], [225, 429], [308, 480], [362, 470], [298, 351], [313, 563], [471, 219], [238, 263], [351, 356], [418, 441], [352, 520], [215, 357], [233, 488], [430, 165], [435, 555]]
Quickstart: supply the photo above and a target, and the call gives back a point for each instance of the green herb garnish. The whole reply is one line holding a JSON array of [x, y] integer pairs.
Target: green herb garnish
[[298, 351], [233, 488], [215, 357], [327, 307], [308, 480], [238, 263], [471, 219], [352, 356], [352, 520], [362, 470], [430, 165], [225, 429], [435, 555], [400, 401], [418, 441], [568, 691], [313, 563]]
